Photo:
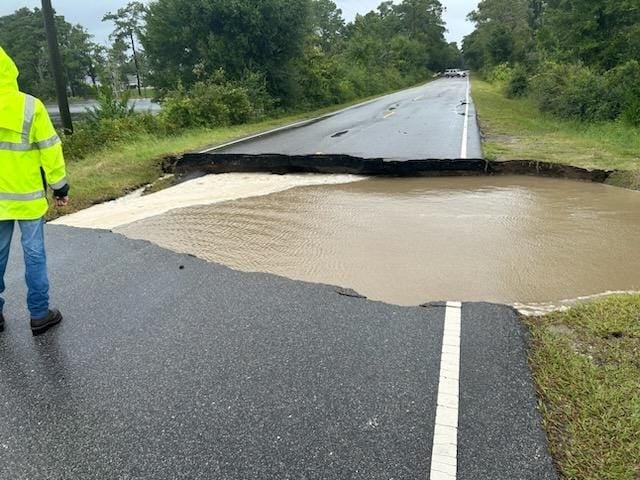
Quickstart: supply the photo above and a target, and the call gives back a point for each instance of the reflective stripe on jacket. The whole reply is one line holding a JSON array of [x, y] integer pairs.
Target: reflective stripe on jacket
[[29, 145]]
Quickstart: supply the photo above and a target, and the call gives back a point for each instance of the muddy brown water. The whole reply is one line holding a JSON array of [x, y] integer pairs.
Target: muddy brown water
[[408, 241]]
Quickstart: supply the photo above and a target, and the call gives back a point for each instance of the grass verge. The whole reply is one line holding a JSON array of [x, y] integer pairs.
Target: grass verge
[[517, 130], [586, 363], [117, 170]]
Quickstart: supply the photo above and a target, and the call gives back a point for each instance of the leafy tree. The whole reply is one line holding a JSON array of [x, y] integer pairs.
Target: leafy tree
[[129, 22], [417, 24], [474, 51], [302, 48], [598, 33], [238, 36], [422, 19], [327, 25], [575, 58], [452, 56], [97, 56], [503, 33], [77, 56], [22, 35], [118, 65]]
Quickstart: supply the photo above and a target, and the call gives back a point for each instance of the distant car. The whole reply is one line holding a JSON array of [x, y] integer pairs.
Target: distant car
[[454, 73]]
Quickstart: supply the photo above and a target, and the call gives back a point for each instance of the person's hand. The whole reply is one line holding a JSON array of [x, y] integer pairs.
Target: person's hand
[[61, 201]]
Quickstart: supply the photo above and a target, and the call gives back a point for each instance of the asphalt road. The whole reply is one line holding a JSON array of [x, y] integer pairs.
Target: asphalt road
[[427, 122], [168, 367]]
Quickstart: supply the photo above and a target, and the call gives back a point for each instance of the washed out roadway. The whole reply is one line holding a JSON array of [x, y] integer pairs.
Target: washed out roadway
[[168, 367]]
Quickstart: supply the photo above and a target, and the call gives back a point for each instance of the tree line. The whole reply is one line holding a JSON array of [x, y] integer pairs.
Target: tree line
[[214, 63], [87, 64], [297, 52], [575, 58]]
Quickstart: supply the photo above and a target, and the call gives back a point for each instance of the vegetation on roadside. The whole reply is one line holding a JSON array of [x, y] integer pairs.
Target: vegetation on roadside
[[23, 36], [587, 370], [515, 129], [576, 60], [304, 50], [306, 53]]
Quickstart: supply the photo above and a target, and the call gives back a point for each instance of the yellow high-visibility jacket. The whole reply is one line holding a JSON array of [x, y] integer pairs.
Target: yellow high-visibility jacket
[[28, 143]]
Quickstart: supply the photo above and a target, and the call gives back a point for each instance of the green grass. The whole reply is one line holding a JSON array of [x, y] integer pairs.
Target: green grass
[[586, 363], [517, 130], [119, 169]]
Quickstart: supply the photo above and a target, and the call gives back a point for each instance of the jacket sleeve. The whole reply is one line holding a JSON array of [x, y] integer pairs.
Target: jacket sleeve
[[45, 138]]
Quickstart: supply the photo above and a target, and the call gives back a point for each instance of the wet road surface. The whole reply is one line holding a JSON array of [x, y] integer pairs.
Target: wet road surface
[[167, 367], [433, 121]]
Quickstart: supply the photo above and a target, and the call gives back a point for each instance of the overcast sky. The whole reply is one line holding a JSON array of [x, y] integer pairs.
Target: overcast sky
[[89, 13]]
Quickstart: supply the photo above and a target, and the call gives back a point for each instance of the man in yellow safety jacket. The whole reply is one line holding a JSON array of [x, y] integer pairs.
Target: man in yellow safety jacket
[[30, 155]]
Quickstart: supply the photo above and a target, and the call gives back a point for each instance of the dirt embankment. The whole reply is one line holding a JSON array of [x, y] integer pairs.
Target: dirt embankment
[[198, 163]]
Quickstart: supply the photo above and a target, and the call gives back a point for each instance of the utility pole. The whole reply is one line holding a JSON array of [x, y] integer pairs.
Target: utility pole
[[135, 59], [56, 66]]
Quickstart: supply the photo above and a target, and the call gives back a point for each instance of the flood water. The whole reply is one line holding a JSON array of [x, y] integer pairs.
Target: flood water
[[409, 241]]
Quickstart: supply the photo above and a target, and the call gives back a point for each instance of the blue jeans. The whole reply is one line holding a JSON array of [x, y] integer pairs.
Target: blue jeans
[[35, 260]]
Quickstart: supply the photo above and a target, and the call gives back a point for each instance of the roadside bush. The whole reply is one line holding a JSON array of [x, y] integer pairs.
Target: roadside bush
[[110, 106], [213, 103], [111, 121], [500, 74], [255, 86], [362, 83], [518, 83], [366, 81], [345, 91], [579, 92], [91, 136], [317, 76], [624, 89], [631, 113], [573, 91]]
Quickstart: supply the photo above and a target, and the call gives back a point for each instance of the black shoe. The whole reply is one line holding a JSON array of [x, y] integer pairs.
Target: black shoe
[[1, 323], [41, 325]]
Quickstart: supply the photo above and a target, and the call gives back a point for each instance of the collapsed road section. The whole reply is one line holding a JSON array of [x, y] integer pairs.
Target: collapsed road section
[[216, 163]]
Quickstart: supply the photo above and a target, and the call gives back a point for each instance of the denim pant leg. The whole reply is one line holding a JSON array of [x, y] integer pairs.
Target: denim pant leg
[[35, 261], [6, 234]]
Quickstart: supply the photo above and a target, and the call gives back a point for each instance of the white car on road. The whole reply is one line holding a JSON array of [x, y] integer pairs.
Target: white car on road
[[454, 73]]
